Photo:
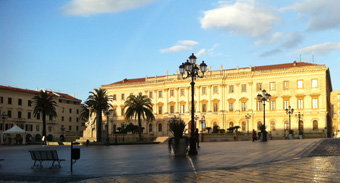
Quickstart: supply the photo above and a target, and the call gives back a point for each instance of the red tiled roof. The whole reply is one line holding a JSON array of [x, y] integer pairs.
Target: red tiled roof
[[62, 95], [255, 68]]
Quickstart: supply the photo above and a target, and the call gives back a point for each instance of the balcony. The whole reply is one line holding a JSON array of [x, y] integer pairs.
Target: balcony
[[19, 119]]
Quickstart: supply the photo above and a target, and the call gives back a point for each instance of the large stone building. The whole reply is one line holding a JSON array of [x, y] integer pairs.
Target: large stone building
[[335, 100], [17, 104], [225, 97]]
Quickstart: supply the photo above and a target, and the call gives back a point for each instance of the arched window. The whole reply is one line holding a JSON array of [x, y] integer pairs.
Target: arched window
[[160, 127], [231, 124], [286, 125], [259, 123], [150, 127], [272, 126], [244, 126], [315, 125]]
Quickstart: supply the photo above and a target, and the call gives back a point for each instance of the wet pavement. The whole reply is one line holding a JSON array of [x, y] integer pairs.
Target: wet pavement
[[245, 161]]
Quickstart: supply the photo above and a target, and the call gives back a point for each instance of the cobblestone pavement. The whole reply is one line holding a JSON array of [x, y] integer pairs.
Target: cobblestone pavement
[[308, 160]]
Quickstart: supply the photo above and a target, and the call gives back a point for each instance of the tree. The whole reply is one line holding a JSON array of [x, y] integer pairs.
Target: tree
[[44, 104], [98, 101], [139, 107], [85, 112]]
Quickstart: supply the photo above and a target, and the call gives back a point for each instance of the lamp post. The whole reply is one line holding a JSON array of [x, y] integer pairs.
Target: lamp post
[[248, 116], [202, 121], [107, 112], [263, 98], [191, 69], [289, 111], [3, 117], [299, 116]]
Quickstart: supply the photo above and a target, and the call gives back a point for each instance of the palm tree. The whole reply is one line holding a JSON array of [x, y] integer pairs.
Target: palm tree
[[138, 107], [44, 104], [98, 101], [85, 112]]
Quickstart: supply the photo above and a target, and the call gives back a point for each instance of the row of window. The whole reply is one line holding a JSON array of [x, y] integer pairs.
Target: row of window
[[69, 110], [273, 125], [29, 116], [68, 102], [9, 101], [29, 127], [272, 87]]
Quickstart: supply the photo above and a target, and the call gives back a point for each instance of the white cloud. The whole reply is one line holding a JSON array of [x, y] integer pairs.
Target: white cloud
[[271, 52], [322, 14], [92, 7], [272, 40], [201, 52], [292, 39], [321, 49], [180, 46], [243, 18]]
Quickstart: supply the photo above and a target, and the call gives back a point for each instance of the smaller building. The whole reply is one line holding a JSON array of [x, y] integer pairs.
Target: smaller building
[[17, 104], [335, 100]]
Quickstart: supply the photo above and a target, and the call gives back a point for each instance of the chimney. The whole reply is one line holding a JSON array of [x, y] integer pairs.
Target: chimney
[[294, 63], [74, 95]]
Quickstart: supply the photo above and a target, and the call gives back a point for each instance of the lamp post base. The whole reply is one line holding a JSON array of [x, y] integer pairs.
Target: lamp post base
[[264, 136], [192, 150]]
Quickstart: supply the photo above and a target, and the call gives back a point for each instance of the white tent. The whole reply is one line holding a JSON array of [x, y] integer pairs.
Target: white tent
[[15, 130]]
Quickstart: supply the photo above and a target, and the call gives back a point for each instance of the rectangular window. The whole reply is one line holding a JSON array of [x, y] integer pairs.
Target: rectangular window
[[259, 86], [19, 114], [62, 109], [69, 128], [70, 111], [62, 118], [243, 106], [37, 128], [38, 116], [259, 105], [70, 119], [29, 103], [315, 103], [9, 113], [300, 103], [160, 109], [122, 111], [171, 93], [215, 107], [140, 93], [286, 85], [29, 115], [123, 96], [231, 89], [114, 97], [231, 107], [172, 109], [182, 92], [285, 104], [204, 90], [77, 119], [2, 100], [182, 109], [9, 100], [215, 90], [150, 94], [314, 83], [272, 105], [29, 128], [77, 111], [204, 107], [77, 128], [244, 88], [272, 85], [300, 83], [19, 101], [160, 94]]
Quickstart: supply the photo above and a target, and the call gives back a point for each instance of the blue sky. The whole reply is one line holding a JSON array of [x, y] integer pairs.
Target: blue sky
[[73, 46]]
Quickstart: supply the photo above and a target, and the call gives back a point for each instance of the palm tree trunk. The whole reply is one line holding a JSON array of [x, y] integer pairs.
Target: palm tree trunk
[[139, 127], [44, 126], [99, 125]]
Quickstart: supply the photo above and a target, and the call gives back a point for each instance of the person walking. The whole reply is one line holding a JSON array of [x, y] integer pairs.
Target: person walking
[[197, 138], [254, 135]]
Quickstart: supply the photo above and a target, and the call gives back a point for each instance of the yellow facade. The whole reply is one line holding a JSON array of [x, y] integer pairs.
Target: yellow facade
[[335, 100], [224, 97], [18, 105]]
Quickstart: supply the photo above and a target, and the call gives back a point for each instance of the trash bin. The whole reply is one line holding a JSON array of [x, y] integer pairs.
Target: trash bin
[[75, 153]]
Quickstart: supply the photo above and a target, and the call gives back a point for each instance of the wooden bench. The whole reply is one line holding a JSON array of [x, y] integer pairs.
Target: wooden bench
[[45, 155]]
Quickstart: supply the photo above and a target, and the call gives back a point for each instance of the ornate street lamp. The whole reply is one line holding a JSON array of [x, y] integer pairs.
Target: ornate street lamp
[[3, 117], [248, 116], [265, 97], [289, 111], [107, 112], [299, 116], [191, 69]]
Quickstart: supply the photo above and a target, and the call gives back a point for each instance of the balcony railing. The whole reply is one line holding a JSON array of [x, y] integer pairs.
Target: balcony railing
[[20, 119]]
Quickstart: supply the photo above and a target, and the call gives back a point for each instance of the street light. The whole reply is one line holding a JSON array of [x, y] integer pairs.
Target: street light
[[3, 117], [248, 116], [202, 121], [191, 69], [263, 98], [299, 115], [289, 111], [107, 112]]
